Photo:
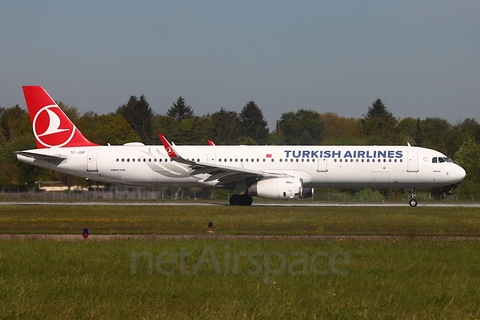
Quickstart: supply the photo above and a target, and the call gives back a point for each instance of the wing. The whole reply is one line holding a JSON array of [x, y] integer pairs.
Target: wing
[[224, 174]]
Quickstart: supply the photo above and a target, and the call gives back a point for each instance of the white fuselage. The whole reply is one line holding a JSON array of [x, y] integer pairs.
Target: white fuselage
[[317, 166]]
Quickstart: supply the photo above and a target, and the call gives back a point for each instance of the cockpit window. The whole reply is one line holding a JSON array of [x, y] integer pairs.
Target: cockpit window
[[441, 159]]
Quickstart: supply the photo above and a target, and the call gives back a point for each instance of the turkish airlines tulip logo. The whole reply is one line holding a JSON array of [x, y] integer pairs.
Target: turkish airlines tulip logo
[[51, 127]]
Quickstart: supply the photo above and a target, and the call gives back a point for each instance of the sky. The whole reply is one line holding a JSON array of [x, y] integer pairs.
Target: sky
[[422, 58]]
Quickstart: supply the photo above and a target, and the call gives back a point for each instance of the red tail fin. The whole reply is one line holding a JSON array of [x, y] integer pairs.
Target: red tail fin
[[51, 126]]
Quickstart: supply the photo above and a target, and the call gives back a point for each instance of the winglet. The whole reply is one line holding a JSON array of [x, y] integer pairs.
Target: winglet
[[211, 143], [174, 155], [168, 147]]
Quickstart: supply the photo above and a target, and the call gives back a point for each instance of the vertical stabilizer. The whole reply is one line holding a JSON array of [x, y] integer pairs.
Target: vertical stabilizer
[[51, 126]]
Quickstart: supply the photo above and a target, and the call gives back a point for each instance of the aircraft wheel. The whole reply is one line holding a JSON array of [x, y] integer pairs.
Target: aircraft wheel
[[247, 200], [413, 202], [235, 200]]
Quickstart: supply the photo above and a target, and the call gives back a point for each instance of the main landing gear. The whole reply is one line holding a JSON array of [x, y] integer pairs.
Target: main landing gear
[[241, 200], [412, 202]]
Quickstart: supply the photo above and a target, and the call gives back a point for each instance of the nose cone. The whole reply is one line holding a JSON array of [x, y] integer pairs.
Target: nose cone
[[458, 173]]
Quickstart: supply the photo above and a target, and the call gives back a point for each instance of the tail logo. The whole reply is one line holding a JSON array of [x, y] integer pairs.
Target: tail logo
[[50, 130]]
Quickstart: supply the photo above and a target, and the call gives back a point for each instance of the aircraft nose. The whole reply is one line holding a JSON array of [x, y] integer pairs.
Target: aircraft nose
[[459, 173]]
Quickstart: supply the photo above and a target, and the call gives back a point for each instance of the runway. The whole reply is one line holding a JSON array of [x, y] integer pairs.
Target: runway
[[260, 204]]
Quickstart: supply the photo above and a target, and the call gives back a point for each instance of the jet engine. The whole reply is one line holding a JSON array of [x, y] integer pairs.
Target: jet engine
[[279, 188]]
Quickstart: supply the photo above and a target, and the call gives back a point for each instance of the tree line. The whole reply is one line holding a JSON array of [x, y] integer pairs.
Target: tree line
[[136, 121]]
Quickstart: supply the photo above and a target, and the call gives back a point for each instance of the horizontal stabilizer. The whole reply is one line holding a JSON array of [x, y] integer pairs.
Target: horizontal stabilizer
[[41, 156]]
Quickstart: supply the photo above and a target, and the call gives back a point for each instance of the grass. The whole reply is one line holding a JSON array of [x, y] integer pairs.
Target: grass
[[246, 279], [240, 220], [383, 280]]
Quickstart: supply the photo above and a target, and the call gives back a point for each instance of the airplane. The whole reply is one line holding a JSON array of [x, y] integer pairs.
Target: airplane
[[271, 172]]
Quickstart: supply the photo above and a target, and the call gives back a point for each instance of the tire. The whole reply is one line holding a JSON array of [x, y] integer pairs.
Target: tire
[[247, 200], [236, 200], [413, 202]]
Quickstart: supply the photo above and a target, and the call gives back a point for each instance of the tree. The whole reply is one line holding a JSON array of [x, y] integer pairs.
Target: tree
[[419, 134], [114, 129], [226, 127], [194, 130], [379, 124], [3, 141], [16, 173], [139, 115], [436, 134], [340, 130], [462, 131], [71, 112], [86, 124], [301, 127], [180, 110], [15, 122], [406, 129], [253, 124], [467, 157]]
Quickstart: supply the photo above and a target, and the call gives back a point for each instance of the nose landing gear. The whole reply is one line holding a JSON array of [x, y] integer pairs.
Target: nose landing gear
[[412, 202]]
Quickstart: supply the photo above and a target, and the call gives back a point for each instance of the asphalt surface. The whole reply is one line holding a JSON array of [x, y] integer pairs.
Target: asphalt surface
[[260, 204]]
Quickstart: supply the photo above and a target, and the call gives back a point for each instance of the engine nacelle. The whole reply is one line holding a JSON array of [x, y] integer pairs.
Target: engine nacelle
[[281, 188]]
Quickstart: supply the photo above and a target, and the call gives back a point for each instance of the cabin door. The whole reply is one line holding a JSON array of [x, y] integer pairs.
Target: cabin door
[[92, 161]]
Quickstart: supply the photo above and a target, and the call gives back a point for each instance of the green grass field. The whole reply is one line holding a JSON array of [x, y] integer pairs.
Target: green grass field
[[240, 220], [249, 279]]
